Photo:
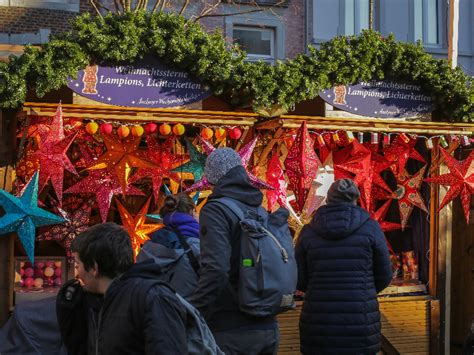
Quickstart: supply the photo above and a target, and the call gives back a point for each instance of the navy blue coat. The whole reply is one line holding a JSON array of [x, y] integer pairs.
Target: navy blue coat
[[343, 262]]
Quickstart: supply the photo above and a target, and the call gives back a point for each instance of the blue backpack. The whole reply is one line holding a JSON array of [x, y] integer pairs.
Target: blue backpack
[[267, 272]]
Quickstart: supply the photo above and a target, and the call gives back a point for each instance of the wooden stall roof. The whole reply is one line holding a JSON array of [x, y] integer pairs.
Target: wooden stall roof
[[367, 124], [99, 112]]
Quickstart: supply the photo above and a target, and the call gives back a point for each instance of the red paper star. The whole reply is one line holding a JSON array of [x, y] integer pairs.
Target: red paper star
[[460, 180], [400, 151], [407, 194], [52, 156], [103, 183], [136, 227], [276, 179], [122, 156], [379, 216], [76, 223], [163, 158], [301, 165]]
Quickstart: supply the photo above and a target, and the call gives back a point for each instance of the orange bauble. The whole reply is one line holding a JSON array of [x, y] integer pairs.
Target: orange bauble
[[137, 131], [221, 133], [207, 133], [92, 127], [123, 131], [178, 129], [165, 129]]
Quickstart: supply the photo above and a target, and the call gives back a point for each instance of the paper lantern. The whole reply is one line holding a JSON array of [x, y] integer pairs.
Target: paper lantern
[[221, 133], [207, 133], [137, 131], [165, 129], [92, 127], [178, 129], [150, 128], [123, 131], [106, 128], [235, 133]]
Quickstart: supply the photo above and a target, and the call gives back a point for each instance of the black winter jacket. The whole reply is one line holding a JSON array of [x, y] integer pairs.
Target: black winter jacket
[[216, 294], [135, 316], [343, 262]]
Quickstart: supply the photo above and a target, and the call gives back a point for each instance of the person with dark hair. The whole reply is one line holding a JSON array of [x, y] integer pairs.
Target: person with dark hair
[[343, 262], [176, 246], [117, 307], [216, 296]]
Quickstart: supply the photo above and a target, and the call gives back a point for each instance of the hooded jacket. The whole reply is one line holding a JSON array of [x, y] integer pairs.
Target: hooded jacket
[[216, 294], [135, 316], [165, 250], [343, 262]]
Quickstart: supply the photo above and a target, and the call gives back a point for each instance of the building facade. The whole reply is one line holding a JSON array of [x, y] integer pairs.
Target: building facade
[[408, 20]]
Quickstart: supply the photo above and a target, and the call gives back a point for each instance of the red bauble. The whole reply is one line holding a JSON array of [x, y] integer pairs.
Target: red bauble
[[106, 128], [235, 133], [151, 128]]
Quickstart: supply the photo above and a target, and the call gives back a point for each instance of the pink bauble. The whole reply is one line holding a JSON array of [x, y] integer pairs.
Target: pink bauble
[[40, 265], [48, 281], [151, 128], [29, 272], [38, 282], [57, 263], [29, 282], [50, 264], [48, 271], [58, 272], [106, 128], [38, 273], [58, 281]]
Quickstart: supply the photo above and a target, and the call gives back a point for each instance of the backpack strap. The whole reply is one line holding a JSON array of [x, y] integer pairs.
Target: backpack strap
[[187, 250], [231, 205]]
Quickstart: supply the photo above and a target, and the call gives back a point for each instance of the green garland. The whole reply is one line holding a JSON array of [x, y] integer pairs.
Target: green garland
[[185, 45]]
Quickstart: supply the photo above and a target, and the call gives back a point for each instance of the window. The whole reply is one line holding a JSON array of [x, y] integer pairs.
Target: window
[[64, 5], [259, 43], [262, 36], [409, 20]]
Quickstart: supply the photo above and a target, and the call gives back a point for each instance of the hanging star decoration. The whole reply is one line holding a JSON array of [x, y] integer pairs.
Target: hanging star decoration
[[75, 223], [103, 183], [460, 181], [275, 178], [400, 151], [162, 157], [301, 165], [380, 215], [122, 156], [407, 194], [52, 156], [245, 154], [37, 130], [135, 225], [196, 163], [22, 215]]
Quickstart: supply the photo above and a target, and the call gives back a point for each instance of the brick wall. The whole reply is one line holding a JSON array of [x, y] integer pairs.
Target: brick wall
[[27, 20]]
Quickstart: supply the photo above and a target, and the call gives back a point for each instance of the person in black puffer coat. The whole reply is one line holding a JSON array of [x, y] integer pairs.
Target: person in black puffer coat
[[343, 262]]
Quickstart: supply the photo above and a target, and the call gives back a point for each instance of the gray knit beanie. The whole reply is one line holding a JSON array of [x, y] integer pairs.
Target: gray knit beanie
[[343, 191], [219, 162]]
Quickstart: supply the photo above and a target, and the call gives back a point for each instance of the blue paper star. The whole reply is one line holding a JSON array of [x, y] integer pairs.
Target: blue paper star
[[22, 215], [196, 163]]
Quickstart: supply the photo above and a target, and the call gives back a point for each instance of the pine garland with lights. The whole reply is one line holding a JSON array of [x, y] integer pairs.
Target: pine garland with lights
[[119, 39]]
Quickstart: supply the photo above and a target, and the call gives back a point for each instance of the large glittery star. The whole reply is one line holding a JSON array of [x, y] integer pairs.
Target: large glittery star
[[407, 194], [122, 156], [135, 225], [52, 156], [245, 154], [196, 162], [22, 215], [162, 157], [103, 183], [379, 216], [460, 180], [301, 165], [75, 223], [399, 152], [276, 179]]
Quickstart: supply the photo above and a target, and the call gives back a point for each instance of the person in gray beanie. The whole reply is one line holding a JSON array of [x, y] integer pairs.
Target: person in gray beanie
[[343, 262], [216, 294]]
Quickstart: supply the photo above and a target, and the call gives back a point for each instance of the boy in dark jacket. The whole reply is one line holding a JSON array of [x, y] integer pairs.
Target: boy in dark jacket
[[343, 262], [118, 308], [216, 294]]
